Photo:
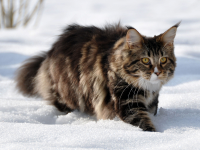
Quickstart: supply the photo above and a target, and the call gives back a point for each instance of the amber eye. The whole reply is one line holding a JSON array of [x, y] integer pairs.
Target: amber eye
[[146, 61], [163, 60]]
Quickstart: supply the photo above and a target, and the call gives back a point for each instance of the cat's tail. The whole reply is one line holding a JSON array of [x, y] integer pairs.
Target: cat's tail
[[27, 73]]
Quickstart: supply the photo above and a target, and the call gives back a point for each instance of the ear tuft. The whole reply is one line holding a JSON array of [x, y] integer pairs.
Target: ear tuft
[[133, 38], [177, 25]]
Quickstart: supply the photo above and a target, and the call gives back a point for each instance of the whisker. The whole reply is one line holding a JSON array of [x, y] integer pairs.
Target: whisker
[[137, 92], [122, 93], [117, 84], [129, 94]]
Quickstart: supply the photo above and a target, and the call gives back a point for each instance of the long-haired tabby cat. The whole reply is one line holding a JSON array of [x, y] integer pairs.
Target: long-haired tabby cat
[[105, 72]]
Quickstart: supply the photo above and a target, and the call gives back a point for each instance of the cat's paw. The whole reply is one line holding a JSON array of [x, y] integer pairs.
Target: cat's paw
[[147, 126], [151, 129]]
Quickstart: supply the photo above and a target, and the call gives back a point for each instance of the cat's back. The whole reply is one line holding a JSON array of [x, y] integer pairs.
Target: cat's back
[[76, 36]]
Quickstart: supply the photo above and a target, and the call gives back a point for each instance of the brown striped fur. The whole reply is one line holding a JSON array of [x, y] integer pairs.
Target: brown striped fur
[[100, 71]]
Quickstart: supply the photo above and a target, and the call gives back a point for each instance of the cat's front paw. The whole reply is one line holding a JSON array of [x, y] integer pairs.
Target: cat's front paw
[[147, 126], [151, 129]]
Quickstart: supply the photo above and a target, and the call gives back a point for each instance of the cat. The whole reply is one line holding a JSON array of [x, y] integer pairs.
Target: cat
[[104, 72]]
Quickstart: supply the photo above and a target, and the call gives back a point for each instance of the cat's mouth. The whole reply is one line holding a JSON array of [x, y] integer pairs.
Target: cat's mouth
[[154, 79]]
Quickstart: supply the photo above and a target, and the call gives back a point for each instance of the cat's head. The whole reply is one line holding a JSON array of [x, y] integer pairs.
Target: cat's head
[[145, 60]]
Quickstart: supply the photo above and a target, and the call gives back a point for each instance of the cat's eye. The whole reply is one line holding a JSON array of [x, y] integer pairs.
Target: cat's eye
[[146, 61], [163, 60]]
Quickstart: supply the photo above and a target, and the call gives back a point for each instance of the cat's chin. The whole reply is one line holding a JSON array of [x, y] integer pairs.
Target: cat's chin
[[157, 81]]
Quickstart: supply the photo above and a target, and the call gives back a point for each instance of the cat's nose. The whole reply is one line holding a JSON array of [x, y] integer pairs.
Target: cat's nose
[[157, 73]]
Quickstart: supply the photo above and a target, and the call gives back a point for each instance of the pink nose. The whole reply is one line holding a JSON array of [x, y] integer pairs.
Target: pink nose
[[157, 73]]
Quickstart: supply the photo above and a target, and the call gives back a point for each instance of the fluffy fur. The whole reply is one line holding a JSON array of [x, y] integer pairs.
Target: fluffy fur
[[100, 71]]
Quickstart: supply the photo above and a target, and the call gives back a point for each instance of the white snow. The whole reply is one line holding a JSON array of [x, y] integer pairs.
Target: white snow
[[29, 123]]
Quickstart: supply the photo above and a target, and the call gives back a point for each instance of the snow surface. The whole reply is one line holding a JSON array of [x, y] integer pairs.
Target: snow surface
[[28, 123]]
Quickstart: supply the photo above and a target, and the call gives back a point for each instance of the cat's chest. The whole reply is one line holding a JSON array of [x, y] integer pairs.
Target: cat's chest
[[150, 97]]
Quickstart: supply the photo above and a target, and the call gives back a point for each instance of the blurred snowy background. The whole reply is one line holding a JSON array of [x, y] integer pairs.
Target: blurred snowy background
[[28, 123]]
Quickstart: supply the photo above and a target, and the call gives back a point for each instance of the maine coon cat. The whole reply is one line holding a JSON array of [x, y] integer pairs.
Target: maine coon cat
[[104, 72]]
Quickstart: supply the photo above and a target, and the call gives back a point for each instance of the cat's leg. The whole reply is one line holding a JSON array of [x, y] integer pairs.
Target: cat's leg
[[135, 113], [153, 107], [130, 103], [62, 107], [56, 100]]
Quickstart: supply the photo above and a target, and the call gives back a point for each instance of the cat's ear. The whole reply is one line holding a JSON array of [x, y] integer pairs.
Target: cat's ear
[[169, 35], [133, 39]]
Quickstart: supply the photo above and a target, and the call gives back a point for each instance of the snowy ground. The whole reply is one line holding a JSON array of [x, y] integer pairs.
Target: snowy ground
[[27, 123]]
